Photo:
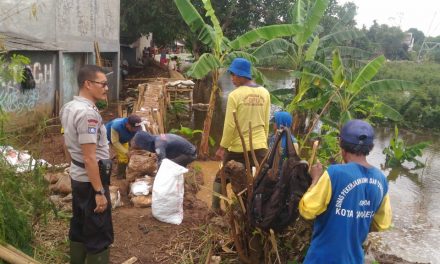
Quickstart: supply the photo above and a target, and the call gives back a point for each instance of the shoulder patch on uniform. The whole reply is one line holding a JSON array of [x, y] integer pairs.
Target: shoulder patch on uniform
[[92, 121], [91, 130]]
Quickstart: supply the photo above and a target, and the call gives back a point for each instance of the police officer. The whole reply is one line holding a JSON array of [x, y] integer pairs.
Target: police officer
[[119, 132], [91, 229]]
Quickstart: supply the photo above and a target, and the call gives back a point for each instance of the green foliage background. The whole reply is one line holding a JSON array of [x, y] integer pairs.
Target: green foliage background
[[419, 107]]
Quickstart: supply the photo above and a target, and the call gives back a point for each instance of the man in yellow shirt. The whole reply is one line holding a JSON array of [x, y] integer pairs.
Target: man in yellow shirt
[[347, 200], [251, 102]]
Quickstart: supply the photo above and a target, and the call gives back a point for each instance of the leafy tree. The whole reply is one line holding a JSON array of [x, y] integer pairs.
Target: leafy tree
[[159, 17], [308, 45], [340, 91], [236, 17], [418, 36], [221, 52], [419, 106]]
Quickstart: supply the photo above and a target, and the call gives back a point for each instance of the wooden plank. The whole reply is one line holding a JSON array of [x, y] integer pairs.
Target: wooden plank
[[15, 256], [119, 109], [130, 260]]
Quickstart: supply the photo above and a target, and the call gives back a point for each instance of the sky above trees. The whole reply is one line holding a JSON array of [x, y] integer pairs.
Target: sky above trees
[[422, 14]]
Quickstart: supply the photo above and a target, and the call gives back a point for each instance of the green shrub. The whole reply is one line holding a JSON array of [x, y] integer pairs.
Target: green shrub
[[398, 152]]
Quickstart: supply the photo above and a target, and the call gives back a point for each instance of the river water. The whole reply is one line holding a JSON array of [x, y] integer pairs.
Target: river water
[[415, 194]]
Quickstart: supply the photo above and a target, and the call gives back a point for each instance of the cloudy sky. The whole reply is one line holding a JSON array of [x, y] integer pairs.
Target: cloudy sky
[[421, 14]]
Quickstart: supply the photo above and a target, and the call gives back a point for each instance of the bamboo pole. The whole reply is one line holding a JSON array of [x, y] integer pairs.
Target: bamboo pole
[[257, 166], [15, 256], [249, 177], [327, 105], [312, 157], [99, 63]]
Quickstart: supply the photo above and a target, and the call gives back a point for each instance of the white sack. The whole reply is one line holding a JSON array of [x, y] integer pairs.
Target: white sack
[[167, 204], [140, 187]]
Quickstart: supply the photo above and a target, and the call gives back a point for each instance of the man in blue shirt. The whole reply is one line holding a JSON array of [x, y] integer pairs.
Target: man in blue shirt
[[119, 132], [347, 201], [170, 146]]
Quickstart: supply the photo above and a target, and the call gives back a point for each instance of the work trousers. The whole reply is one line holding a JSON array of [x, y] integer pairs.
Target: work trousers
[[121, 156], [184, 159], [94, 230]]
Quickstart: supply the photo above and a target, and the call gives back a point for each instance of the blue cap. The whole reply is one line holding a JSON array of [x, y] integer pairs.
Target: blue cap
[[283, 118], [241, 67], [357, 132]]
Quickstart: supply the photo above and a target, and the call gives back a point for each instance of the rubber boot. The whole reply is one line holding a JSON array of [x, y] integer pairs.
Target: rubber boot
[[102, 257], [77, 252], [122, 167], [216, 187]]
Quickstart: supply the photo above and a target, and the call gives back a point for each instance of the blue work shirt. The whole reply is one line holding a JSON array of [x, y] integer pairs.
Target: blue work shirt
[[338, 233], [118, 124]]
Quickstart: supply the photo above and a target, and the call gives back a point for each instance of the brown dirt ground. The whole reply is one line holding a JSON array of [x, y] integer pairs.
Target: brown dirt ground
[[137, 233]]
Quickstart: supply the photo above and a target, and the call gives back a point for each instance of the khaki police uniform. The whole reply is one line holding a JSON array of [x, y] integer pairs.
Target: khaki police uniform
[[83, 124]]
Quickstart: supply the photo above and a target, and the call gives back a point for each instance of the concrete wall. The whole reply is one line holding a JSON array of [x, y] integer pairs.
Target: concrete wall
[[25, 106], [70, 25]]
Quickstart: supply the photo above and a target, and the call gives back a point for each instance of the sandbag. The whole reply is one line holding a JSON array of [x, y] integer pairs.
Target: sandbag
[[63, 185], [115, 196], [141, 163], [168, 190], [140, 187], [53, 177], [141, 201]]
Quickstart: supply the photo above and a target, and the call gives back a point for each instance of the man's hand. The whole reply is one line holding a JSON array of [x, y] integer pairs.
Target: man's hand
[[219, 154], [101, 203], [316, 172]]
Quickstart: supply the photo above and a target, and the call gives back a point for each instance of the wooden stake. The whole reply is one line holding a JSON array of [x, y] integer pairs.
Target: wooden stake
[[119, 109], [130, 260], [99, 63], [312, 157], [249, 177], [257, 166], [13, 255], [274, 245]]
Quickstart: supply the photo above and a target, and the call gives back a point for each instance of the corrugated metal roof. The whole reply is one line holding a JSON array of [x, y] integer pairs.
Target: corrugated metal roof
[[14, 41]]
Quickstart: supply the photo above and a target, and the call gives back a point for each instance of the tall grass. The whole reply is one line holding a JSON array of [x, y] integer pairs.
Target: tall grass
[[24, 201]]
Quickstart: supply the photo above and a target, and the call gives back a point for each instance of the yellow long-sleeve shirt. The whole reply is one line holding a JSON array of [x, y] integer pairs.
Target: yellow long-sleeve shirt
[[252, 104]]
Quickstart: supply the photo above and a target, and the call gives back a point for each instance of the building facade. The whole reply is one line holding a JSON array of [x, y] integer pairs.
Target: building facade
[[58, 36]]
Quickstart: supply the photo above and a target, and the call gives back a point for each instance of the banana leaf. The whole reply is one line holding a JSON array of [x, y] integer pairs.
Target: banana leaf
[[341, 36], [195, 22], [366, 74], [205, 64], [272, 47], [311, 21], [263, 33], [389, 84]]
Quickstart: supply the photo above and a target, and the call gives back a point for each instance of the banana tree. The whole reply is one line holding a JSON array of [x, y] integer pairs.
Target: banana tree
[[222, 52], [306, 45], [342, 93]]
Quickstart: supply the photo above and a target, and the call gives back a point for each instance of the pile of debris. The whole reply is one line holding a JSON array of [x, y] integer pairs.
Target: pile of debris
[[140, 171]]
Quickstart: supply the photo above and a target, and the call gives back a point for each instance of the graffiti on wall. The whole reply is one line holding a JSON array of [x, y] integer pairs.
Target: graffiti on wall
[[14, 99]]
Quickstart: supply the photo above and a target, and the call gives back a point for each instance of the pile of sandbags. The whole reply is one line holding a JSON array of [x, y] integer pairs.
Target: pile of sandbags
[[140, 192], [61, 187], [141, 163], [59, 182]]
